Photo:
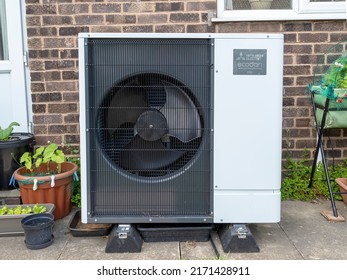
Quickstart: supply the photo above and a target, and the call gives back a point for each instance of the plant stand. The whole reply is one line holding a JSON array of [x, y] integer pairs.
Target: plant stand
[[321, 115]]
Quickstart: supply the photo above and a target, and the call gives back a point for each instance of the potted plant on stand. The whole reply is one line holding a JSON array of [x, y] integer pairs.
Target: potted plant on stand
[[332, 86], [12, 146], [47, 178]]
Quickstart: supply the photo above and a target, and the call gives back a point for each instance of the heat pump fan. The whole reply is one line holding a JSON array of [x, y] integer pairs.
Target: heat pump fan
[[175, 126], [150, 127]]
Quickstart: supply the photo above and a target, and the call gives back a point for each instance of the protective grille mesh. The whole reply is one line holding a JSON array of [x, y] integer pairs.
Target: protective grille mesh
[[148, 123]]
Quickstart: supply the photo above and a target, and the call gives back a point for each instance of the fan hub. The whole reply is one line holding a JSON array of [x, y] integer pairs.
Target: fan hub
[[151, 125]]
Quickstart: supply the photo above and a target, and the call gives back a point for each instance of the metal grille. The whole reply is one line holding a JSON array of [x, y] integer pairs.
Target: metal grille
[[148, 120]]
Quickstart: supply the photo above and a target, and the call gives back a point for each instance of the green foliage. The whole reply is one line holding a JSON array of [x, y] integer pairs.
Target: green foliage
[[18, 210], [320, 184], [296, 175], [39, 209], [336, 75], [43, 155], [76, 194], [76, 197], [5, 133], [295, 180]]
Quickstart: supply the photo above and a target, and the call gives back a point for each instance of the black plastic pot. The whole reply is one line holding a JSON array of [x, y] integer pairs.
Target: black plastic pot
[[38, 230], [10, 153]]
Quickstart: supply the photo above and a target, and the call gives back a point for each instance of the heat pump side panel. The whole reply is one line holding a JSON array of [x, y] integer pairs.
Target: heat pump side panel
[[247, 129], [83, 137]]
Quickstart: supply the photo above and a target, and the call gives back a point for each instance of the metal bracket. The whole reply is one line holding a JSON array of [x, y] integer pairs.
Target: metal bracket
[[124, 238], [123, 231], [241, 230], [237, 238]]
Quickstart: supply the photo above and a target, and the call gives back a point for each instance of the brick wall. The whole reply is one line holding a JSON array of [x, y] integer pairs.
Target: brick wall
[[53, 25]]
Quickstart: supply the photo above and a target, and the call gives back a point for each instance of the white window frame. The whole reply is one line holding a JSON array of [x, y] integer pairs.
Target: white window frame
[[302, 10]]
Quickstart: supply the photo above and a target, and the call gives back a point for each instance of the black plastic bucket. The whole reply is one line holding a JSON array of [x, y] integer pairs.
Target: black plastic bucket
[[10, 153], [38, 230]]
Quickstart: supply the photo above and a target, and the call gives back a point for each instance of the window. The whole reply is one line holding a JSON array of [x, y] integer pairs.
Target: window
[[3, 32], [255, 10]]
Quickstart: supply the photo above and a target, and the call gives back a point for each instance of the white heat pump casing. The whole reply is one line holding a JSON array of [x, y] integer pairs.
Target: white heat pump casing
[[247, 128]]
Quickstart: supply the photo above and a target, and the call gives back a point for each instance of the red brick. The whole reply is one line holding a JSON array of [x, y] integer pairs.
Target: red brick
[[329, 25], [297, 70], [47, 119], [201, 6], [313, 37], [152, 18], [67, 9], [138, 7], [265, 27], [171, 28], [184, 17], [169, 7], [62, 108], [106, 8]]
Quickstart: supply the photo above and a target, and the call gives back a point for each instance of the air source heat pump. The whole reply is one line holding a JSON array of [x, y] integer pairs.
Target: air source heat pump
[[180, 128]]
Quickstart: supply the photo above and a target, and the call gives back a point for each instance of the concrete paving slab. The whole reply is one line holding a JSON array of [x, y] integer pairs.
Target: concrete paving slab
[[302, 233], [93, 248], [312, 235], [14, 248], [192, 250], [272, 241]]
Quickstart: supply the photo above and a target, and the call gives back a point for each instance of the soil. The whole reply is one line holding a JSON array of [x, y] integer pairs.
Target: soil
[[91, 226]]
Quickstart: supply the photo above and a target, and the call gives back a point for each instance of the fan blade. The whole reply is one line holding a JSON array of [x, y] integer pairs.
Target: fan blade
[[147, 155], [126, 106], [181, 114]]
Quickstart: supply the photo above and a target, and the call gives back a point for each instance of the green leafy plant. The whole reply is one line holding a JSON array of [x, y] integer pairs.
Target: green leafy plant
[[43, 155], [334, 82], [336, 171], [19, 209], [336, 76], [296, 175], [295, 180], [5, 133], [76, 194]]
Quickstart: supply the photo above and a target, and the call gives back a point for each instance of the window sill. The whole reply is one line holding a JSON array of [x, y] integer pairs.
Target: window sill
[[274, 18]]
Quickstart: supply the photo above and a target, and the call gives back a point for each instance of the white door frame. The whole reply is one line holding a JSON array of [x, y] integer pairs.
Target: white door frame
[[15, 96]]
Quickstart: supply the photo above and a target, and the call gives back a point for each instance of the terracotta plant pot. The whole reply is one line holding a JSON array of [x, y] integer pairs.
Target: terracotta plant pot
[[59, 194], [342, 182]]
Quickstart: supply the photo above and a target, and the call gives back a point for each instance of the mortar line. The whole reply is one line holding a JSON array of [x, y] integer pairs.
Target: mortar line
[[291, 241]]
